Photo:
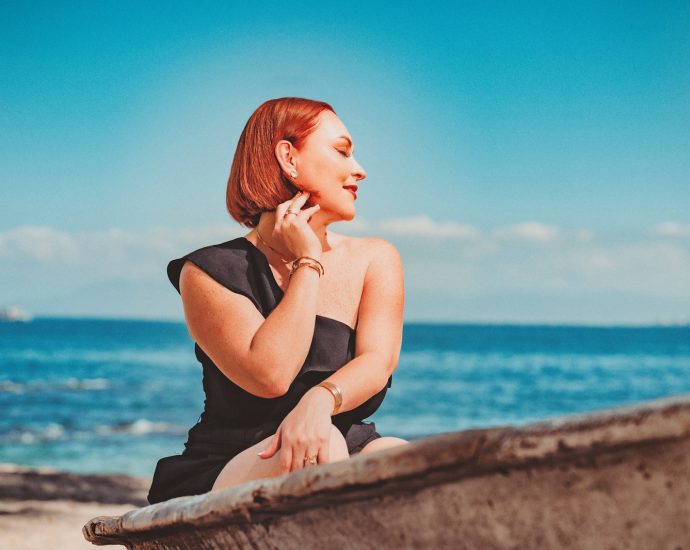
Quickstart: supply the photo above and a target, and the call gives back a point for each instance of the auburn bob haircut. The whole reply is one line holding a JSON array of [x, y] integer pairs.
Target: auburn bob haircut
[[257, 183]]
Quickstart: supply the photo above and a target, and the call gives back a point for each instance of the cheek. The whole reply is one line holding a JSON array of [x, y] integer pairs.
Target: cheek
[[322, 176], [313, 181]]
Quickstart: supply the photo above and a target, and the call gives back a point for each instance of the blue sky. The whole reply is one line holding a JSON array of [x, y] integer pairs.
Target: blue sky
[[536, 155]]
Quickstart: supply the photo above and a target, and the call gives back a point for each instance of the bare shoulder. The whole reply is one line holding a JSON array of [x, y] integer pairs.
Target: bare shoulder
[[377, 245], [379, 261], [381, 253], [370, 249]]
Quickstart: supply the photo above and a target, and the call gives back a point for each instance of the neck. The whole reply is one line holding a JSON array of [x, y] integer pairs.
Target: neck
[[268, 220]]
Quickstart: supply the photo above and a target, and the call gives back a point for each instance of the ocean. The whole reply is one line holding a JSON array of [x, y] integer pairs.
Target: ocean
[[105, 396]]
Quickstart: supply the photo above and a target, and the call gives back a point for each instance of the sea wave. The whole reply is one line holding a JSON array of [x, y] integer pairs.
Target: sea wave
[[69, 384], [34, 435], [177, 357], [141, 426]]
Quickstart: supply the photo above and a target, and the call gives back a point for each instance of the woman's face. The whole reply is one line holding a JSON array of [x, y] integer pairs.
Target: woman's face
[[325, 166]]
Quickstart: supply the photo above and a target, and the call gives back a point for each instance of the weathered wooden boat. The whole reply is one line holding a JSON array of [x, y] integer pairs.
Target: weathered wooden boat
[[613, 479]]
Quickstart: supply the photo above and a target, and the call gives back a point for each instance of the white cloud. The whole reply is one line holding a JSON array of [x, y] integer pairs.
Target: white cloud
[[424, 226], [450, 260], [528, 231], [671, 229], [36, 243], [115, 252], [421, 226]]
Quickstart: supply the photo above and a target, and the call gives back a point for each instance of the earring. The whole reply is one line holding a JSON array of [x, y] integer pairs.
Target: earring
[[293, 174]]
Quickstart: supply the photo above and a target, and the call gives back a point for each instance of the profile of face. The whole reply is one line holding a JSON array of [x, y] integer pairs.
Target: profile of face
[[326, 168]]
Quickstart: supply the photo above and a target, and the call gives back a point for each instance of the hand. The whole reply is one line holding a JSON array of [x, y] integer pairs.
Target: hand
[[305, 432], [294, 229]]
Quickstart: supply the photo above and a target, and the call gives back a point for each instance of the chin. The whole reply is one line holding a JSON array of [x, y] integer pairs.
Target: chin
[[348, 215]]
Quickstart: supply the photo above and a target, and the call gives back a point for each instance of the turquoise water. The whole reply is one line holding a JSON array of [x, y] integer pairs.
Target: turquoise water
[[114, 396]]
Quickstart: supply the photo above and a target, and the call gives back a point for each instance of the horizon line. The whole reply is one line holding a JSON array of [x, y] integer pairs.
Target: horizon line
[[505, 323]]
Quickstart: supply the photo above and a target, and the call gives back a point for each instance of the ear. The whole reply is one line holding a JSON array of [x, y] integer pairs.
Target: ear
[[285, 154]]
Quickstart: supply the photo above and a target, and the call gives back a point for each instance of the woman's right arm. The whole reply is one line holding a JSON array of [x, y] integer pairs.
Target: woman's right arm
[[261, 355]]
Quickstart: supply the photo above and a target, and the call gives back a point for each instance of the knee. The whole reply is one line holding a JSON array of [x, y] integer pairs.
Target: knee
[[383, 443], [338, 446]]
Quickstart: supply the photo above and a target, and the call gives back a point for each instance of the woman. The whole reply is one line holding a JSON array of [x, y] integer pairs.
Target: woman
[[274, 314]]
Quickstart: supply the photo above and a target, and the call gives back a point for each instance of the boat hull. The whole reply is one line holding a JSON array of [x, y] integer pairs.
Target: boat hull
[[615, 479]]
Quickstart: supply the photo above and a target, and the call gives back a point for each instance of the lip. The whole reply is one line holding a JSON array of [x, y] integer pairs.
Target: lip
[[352, 189]]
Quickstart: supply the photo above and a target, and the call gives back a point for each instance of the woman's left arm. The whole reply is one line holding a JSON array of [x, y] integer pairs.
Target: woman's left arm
[[377, 349], [379, 331]]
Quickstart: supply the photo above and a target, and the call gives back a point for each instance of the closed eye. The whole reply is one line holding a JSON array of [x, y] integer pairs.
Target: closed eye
[[343, 153]]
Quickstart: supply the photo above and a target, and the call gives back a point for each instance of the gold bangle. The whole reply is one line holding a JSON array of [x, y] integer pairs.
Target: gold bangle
[[306, 261], [309, 259], [337, 394], [302, 265], [323, 272]]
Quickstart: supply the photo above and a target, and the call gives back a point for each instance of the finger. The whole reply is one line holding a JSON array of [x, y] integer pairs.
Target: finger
[[298, 454], [313, 452], [293, 205], [324, 453], [280, 214], [285, 459], [269, 451], [307, 213], [300, 198], [297, 202], [310, 211], [283, 206]]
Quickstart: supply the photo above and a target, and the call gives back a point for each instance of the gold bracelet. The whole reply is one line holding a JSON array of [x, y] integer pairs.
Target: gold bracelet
[[302, 265], [323, 272], [337, 394], [311, 260]]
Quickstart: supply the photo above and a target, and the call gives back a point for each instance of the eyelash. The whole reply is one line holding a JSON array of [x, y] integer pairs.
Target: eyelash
[[344, 154]]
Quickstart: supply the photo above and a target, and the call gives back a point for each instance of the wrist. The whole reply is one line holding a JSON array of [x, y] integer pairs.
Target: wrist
[[306, 261], [321, 397], [336, 392], [310, 266]]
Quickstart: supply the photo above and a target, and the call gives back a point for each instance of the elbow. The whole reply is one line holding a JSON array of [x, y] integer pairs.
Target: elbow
[[275, 390], [257, 382], [385, 365], [273, 386], [272, 383], [269, 388], [390, 365], [278, 378], [281, 384]]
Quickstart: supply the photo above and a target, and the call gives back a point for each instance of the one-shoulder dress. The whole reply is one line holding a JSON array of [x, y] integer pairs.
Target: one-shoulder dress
[[233, 419]]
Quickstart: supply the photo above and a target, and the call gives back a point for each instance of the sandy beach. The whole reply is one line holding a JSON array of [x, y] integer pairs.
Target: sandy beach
[[42, 508]]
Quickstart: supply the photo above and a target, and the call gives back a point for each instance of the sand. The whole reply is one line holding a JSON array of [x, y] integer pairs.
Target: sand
[[42, 508]]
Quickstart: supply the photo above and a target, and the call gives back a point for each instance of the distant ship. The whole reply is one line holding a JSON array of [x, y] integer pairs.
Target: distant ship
[[14, 314]]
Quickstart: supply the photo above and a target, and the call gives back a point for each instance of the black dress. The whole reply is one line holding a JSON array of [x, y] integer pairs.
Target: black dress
[[234, 419]]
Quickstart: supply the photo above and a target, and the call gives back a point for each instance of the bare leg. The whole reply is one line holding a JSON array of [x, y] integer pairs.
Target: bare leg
[[247, 466], [383, 443]]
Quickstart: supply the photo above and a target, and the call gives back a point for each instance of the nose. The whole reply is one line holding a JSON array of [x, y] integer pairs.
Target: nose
[[359, 172]]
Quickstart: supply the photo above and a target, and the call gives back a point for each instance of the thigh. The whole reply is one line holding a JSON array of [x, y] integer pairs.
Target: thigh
[[247, 466], [383, 443]]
